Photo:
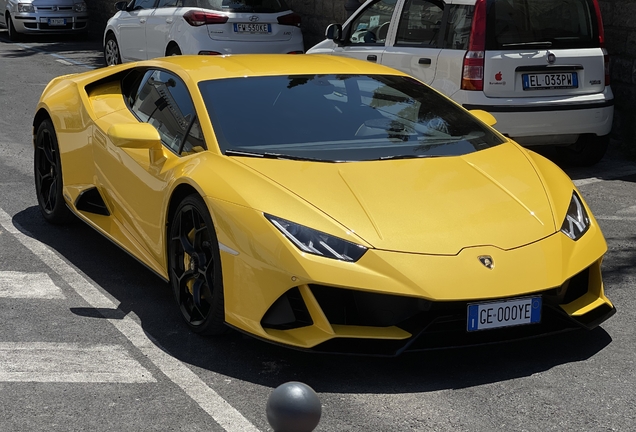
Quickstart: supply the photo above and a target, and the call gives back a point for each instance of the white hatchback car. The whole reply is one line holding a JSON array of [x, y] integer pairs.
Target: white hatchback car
[[145, 29], [539, 66]]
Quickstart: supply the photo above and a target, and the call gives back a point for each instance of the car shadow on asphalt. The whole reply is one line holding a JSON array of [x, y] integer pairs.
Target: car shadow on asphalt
[[141, 292], [85, 49]]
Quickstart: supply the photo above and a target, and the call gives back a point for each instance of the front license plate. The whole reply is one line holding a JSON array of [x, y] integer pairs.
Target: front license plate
[[490, 315], [57, 21], [548, 81], [252, 28]]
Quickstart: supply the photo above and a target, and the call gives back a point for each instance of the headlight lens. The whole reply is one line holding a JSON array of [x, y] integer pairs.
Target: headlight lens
[[25, 7], [317, 242], [79, 7], [576, 221]]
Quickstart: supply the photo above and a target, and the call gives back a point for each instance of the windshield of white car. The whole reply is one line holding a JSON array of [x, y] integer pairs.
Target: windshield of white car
[[340, 118]]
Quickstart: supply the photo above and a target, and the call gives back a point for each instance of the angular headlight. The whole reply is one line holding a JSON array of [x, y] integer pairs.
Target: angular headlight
[[576, 221], [317, 242], [25, 7], [79, 7]]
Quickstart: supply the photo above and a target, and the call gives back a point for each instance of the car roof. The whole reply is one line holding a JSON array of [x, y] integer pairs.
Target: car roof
[[203, 68]]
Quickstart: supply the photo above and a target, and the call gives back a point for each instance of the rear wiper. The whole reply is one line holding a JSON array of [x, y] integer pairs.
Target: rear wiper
[[407, 157], [269, 155], [538, 44]]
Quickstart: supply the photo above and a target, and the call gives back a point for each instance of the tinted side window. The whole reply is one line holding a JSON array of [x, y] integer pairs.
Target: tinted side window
[[458, 25], [419, 23], [163, 101], [372, 25]]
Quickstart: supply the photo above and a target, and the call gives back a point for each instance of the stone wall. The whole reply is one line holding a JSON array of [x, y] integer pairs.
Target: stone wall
[[619, 17]]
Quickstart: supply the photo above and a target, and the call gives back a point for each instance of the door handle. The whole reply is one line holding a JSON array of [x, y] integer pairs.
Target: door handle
[[372, 57], [424, 61], [142, 20]]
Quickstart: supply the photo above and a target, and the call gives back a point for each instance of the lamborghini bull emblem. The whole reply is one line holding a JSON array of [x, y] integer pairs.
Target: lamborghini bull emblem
[[487, 261]]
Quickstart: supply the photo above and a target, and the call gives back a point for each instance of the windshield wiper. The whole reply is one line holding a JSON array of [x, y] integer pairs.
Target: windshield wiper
[[269, 155], [409, 156], [537, 44]]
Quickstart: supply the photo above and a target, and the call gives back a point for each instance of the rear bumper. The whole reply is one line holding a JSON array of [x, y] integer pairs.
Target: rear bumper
[[195, 42], [546, 119]]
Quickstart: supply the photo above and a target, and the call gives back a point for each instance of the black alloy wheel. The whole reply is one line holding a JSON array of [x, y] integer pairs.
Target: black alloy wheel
[[48, 175], [195, 267]]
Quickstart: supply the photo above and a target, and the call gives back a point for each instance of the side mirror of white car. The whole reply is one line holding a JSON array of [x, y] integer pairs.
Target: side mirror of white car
[[334, 32]]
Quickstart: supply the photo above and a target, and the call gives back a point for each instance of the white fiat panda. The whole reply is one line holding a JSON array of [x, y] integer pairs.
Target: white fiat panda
[[538, 66]]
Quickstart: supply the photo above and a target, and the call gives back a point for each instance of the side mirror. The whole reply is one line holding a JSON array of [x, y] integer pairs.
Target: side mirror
[[484, 116], [121, 5], [334, 32], [134, 135]]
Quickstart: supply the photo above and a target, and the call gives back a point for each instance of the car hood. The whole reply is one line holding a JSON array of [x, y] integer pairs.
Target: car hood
[[435, 205]]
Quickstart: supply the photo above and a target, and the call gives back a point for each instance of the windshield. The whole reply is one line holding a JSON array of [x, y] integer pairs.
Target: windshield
[[339, 118], [541, 24], [246, 6]]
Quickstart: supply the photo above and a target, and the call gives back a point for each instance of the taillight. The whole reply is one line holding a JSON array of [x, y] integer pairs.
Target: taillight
[[198, 18], [601, 41], [292, 19], [473, 67]]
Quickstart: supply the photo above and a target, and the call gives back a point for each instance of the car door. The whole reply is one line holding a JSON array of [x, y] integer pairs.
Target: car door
[[158, 27], [136, 180], [414, 48], [365, 35], [131, 26]]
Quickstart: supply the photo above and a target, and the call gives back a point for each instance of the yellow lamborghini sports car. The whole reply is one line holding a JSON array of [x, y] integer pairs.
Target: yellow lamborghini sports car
[[321, 203]]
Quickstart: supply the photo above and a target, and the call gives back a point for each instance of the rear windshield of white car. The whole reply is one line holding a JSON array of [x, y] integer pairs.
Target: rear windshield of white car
[[247, 6], [553, 24], [339, 118]]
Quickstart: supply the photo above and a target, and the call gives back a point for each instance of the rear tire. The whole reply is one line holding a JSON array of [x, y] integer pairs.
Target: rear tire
[[48, 176], [173, 51], [111, 51], [588, 150]]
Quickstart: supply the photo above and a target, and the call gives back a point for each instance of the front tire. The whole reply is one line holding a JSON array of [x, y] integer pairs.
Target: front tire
[[48, 175], [112, 55], [13, 34], [195, 267]]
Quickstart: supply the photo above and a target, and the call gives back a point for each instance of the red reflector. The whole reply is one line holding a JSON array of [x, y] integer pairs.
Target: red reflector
[[198, 18], [295, 52], [209, 53], [292, 19]]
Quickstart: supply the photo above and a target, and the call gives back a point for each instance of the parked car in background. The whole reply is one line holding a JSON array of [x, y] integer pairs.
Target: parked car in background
[[539, 66], [145, 29], [43, 16]]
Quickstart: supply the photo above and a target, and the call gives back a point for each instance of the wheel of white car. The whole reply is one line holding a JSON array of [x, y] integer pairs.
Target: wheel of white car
[[13, 34], [111, 51], [173, 51]]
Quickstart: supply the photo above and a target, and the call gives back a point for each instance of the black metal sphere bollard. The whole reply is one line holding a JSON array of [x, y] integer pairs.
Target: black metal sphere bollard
[[293, 407]]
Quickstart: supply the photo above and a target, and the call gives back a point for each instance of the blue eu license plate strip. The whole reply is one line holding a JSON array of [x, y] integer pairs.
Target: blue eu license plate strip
[[506, 313]]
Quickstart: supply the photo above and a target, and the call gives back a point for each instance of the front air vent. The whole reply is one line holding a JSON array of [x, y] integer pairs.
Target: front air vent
[[288, 312]]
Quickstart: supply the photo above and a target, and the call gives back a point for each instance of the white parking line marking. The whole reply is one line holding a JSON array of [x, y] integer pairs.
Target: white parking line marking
[[64, 62], [70, 363], [209, 400], [58, 56], [28, 285]]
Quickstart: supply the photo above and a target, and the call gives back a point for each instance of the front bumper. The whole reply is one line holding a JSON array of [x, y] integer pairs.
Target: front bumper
[[51, 22], [391, 302]]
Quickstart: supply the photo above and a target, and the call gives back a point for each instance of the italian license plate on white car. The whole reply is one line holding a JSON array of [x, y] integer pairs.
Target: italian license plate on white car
[[547, 81], [252, 28], [490, 315], [57, 21]]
